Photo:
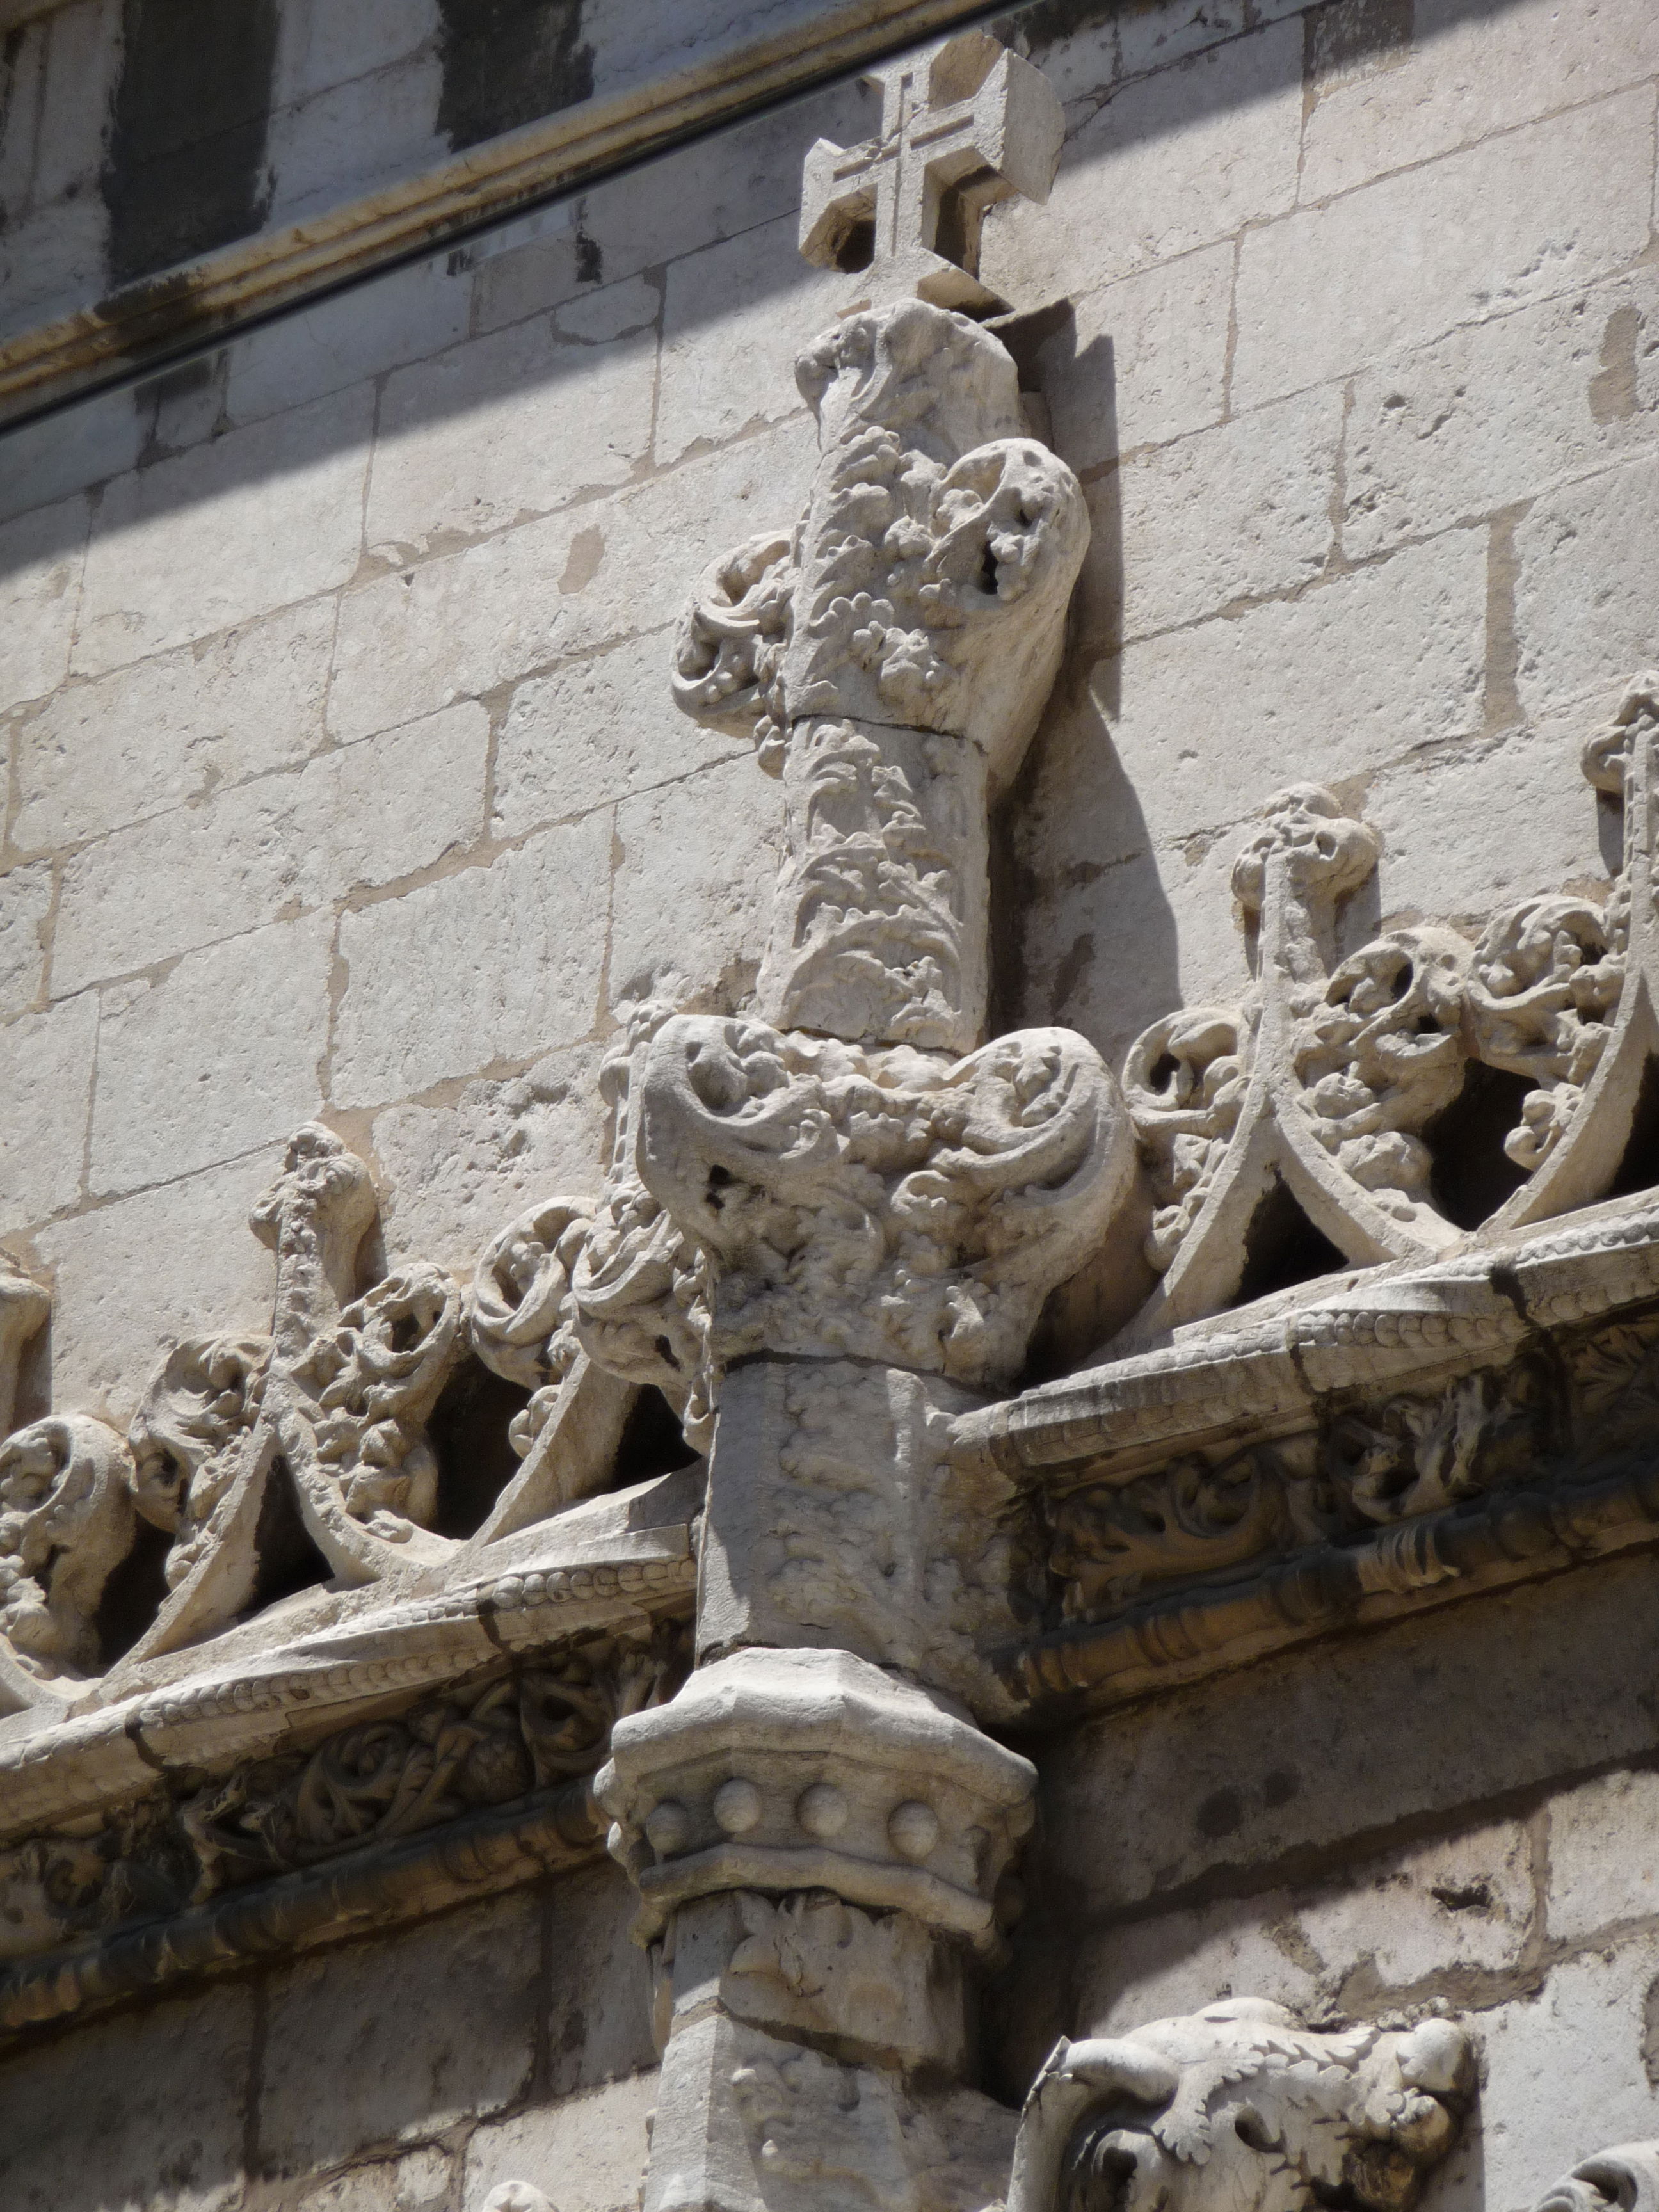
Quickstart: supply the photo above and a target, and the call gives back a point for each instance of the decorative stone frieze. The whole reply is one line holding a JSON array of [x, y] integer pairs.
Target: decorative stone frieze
[[1239, 2107]]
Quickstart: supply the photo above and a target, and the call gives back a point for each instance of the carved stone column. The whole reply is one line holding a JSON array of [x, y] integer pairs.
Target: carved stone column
[[833, 1224]]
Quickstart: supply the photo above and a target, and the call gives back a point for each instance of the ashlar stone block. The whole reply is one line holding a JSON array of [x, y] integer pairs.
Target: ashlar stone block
[[421, 2181], [1470, 827], [153, 2103], [1467, 75], [463, 624], [1319, 1747], [1144, 361], [224, 531], [43, 465], [1343, 678], [596, 730], [25, 903], [588, 2151], [734, 318], [1527, 214], [202, 1273], [373, 2045], [453, 1171], [504, 428], [692, 893], [403, 316], [1224, 515], [173, 728], [1173, 160], [217, 1055], [1602, 1857], [1498, 411], [352, 819], [1564, 2072], [496, 963], [41, 558], [45, 1085], [1584, 604]]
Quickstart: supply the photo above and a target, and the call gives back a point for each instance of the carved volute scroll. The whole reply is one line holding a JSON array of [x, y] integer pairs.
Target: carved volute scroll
[[1332, 1076], [1626, 2178], [1567, 994]]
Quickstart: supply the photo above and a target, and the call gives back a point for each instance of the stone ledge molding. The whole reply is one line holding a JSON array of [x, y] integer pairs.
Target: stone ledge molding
[[208, 299], [366, 1892]]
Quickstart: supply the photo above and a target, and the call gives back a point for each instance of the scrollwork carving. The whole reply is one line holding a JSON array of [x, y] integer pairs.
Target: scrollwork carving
[[189, 1436], [1239, 2108], [880, 1205], [65, 1525]]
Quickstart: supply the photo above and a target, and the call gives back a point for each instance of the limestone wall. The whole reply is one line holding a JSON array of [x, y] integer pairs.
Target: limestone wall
[[342, 774], [412, 2074]]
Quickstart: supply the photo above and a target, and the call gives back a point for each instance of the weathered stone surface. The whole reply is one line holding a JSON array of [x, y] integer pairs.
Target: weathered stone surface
[[46, 1075], [1181, 158], [590, 2150], [1452, 1907], [1508, 814], [1543, 209], [376, 2045], [1490, 415], [1297, 1752], [1579, 602], [197, 1279], [452, 1169], [1145, 360], [1601, 1870], [174, 727], [26, 897], [216, 1055], [694, 885], [157, 2103], [1228, 514], [402, 316], [1401, 646], [599, 1998], [421, 2182], [594, 732], [1464, 78], [224, 531], [455, 461], [278, 847], [768, 305], [493, 963], [460, 624], [1539, 2116], [40, 559]]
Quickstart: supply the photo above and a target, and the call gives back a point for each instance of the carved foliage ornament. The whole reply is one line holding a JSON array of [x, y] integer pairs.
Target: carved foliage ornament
[[1333, 1076]]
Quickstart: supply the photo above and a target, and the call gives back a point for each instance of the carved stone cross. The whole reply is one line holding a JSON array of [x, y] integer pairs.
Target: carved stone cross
[[962, 125]]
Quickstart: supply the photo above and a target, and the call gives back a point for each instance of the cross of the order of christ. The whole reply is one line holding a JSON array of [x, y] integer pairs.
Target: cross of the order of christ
[[963, 124]]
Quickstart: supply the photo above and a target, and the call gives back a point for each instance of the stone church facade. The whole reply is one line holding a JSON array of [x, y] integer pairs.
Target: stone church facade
[[829, 1106]]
